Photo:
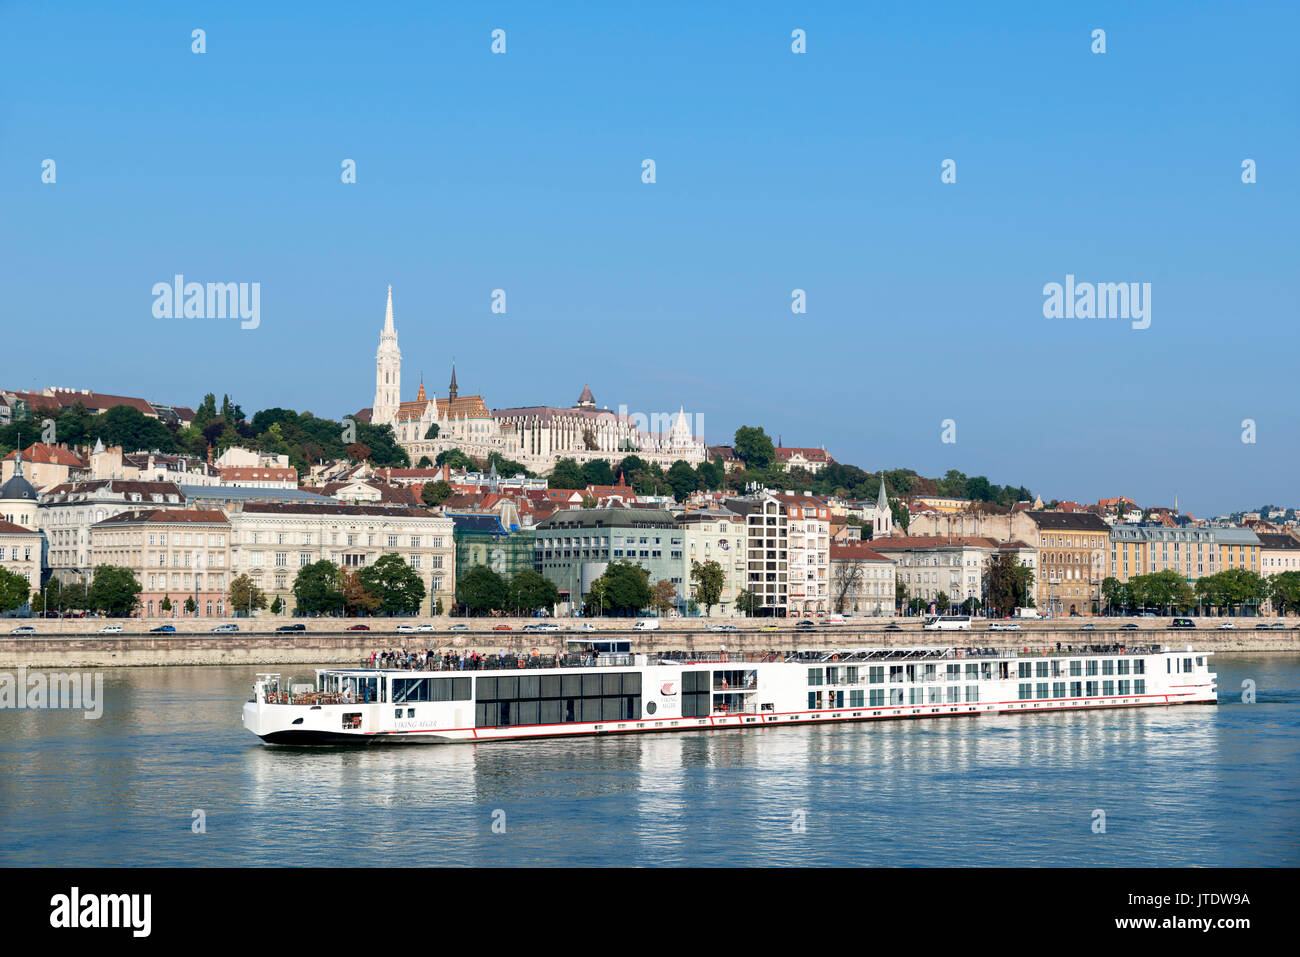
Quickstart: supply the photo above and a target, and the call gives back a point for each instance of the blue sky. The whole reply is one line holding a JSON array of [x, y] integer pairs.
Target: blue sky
[[775, 171]]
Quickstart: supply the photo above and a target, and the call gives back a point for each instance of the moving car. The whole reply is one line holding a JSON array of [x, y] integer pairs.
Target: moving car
[[222, 629], [23, 630], [1181, 623], [111, 630], [359, 628], [503, 628], [893, 627], [542, 626], [459, 626], [162, 630], [581, 626], [292, 628], [646, 624], [804, 624], [407, 628], [1227, 624], [1129, 627], [424, 627], [1089, 626], [1004, 626], [768, 628]]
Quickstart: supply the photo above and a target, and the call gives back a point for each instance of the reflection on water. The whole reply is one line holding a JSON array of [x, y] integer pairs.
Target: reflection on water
[[1198, 785]]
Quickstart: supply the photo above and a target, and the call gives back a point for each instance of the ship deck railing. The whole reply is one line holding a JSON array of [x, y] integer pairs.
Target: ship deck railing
[[831, 656]]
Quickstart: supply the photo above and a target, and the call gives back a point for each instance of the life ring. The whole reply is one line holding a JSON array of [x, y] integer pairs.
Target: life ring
[[835, 657]]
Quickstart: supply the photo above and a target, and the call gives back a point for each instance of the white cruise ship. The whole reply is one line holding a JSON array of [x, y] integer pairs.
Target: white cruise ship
[[529, 696]]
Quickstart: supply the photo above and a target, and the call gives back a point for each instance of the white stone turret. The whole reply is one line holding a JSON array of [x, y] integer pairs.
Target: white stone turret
[[388, 371]]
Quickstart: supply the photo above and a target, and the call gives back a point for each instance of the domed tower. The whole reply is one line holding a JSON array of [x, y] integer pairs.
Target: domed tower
[[388, 372], [18, 498]]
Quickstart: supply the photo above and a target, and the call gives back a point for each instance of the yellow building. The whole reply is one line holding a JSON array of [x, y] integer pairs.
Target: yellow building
[[1192, 552], [1071, 561]]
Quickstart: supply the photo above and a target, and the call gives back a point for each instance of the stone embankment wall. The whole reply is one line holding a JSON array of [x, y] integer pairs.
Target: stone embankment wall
[[76, 644]]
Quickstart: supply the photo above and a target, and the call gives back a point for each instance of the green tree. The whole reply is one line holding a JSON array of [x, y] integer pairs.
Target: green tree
[[190, 605], [481, 590], [566, 474], [626, 588], [318, 588], [14, 590], [395, 583], [114, 591], [530, 591], [942, 602], [1008, 584], [166, 603], [455, 459], [1284, 592], [432, 431], [597, 472], [424, 463], [754, 446], [682, 480], [245, 596], [277, 606], [708, 580], [747, 602], [435, 493]]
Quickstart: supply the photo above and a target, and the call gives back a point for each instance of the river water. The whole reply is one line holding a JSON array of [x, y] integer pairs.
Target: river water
[[1192, 785]]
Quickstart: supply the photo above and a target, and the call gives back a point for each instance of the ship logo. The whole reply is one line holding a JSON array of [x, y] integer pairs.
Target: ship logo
[[668, 688]]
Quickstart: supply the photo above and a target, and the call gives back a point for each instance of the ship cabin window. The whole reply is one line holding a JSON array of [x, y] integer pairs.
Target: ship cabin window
[[1092, 667], [972, 692], [1058, 689], [895, 674], [509, 701], [1187, 664], [952, 673], [1026, 669], [814, 676], [359, 687], [1076, 669], [1091, 689], [430, 689], [1026, 691], [1108, 666], [876, 674], [1076, 689], [352, 721], [1200, 662], [1139, 666], [1139, 686], [1040, 669], [1169, 665], [1123, 664]]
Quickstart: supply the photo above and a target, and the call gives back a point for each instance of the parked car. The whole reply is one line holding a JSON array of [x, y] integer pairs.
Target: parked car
[[1181, 623], [581, 626], [425, 627], [162, 630], [1004, 626], [502, 628], [111, 630], [646, 624], [1277, 624], [768, 628], [804, 624], [23, 630], [459, 626], [359, 628], [1227, 624], [1129, 627], [298, 627], [1261, 627], [222, 629], [542, 626], [1089, 626], [407, 628]]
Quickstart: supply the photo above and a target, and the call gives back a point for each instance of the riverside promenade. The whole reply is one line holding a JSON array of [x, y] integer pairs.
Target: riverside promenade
[[77, 643]]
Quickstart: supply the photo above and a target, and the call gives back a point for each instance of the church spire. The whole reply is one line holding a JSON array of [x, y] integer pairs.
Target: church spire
[[388, 314], [452, 391], [882, 501]]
